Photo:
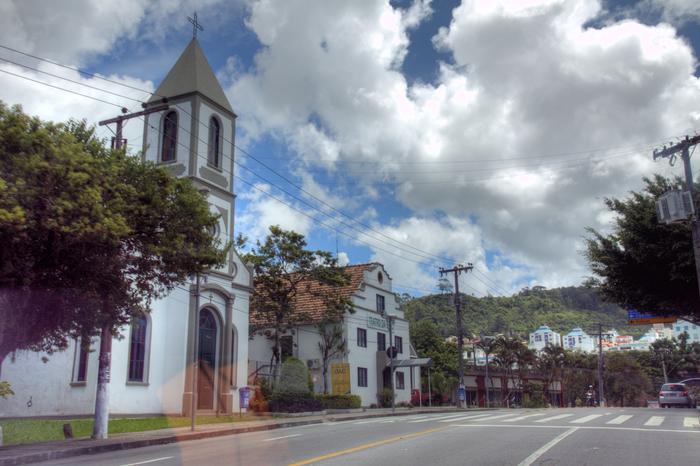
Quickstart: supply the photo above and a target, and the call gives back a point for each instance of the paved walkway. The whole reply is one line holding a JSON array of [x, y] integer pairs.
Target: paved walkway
[[31, 453]]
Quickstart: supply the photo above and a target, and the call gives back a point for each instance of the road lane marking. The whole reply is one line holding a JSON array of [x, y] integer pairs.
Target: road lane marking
[[585, 419], [520, 418], [655, 421], [149, 461], [438, 418], [465, 418], [366, 446], [280, 438], [554, 418], [532, 426], [620, 419], [369, 422], [691, 422], [546, 447], [490, 418]]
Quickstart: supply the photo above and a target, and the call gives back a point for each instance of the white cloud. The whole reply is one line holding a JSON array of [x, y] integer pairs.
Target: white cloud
[[528, 80], [343, 259], [262, 211]]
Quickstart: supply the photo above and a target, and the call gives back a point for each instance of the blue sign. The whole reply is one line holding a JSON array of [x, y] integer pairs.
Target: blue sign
[[244, 397], [636, 317], [461, 394]]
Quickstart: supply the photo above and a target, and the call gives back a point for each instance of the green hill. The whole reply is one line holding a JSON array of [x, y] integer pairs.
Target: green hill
[[560, 308]]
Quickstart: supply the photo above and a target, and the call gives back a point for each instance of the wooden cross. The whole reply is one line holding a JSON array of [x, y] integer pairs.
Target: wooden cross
[[195, 25]]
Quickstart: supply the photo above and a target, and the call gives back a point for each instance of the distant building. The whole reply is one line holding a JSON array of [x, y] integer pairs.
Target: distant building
[[663, 331], [690, 328], [578, 340], [542, 337]]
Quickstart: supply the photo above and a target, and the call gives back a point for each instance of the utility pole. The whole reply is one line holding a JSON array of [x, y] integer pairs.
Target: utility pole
[[390, 322], [670, 152], [601, 393], [457, 270], [100, 428]]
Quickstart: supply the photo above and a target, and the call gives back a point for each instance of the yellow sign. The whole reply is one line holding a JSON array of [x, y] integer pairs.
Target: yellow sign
[[340, 378]]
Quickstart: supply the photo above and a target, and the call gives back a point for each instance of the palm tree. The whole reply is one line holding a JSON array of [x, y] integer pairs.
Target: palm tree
[[551, 363], [511, 354]]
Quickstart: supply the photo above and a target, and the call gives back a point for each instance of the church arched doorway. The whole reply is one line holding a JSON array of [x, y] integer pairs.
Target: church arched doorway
[[206, 375]]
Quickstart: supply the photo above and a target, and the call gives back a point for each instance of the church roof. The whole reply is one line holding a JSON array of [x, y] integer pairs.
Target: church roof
[[192, 73], [309, 305]]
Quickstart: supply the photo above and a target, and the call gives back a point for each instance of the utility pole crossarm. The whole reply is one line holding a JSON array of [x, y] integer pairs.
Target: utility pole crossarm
[[679, 147]]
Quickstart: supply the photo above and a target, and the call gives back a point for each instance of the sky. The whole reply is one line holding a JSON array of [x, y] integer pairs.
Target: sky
[[414, 133]]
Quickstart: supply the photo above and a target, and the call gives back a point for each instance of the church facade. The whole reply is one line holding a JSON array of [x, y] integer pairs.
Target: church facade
[[153, 367]]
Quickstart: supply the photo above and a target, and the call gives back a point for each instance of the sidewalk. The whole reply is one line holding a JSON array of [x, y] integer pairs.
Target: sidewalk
[[43, 451]]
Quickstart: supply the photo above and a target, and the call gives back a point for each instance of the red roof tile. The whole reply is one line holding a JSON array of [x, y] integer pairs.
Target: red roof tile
[[309, 305]]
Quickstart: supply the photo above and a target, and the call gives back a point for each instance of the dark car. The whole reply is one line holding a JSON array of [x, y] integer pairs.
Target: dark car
[[675, 394]]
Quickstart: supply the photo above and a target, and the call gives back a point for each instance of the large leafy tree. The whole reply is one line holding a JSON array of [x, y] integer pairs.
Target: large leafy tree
[[284, 268], [88, 236], [643, 264]]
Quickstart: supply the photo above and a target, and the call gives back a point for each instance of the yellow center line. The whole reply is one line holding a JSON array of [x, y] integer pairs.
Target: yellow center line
[[366, 446]]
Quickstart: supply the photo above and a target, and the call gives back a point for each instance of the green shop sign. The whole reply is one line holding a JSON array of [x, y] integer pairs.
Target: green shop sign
[[376, 322]]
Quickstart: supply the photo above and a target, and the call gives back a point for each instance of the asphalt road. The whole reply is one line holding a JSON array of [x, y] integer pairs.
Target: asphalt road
[[582, 436]]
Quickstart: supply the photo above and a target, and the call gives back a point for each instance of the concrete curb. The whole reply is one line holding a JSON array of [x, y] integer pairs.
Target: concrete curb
[[104, 446]]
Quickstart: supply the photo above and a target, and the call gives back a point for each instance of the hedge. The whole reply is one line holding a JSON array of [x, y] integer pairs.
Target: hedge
[[340, 401], [286, 402]]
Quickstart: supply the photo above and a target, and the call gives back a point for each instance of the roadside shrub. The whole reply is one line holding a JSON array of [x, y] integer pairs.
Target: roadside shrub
[[384, 398], [258, 402], [289, 402], [265, 388], [294, 378], [403, 404], [5, 390], [533, 396], [340, 401]]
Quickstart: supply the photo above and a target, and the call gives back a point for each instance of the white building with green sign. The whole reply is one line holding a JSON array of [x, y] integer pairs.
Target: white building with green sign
[[367, 336]]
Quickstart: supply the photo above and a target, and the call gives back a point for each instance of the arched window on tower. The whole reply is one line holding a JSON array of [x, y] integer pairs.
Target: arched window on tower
[[138, 350], [214, 142], [169, 145]]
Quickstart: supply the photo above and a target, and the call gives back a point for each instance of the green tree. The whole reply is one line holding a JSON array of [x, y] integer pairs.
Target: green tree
[[284, 268], [644, 264], [89, 236], [509, 352], [626, 383], [332, 344]]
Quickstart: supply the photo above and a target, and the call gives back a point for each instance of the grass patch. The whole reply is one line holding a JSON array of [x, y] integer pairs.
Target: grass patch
[[31, 430]]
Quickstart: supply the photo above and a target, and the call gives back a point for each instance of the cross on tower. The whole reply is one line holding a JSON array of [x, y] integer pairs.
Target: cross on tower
[[195, 25]]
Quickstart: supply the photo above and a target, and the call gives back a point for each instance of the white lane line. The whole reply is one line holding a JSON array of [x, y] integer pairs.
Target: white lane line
[[370, 422], [546, 447], [585, 419], [554, 418], [280, 438], [465, 417], [439, 418], [655, 421], [149, 461], [532, 426], [390, 421], [691, 422], [490, 418], [620, 419], [520, 418]]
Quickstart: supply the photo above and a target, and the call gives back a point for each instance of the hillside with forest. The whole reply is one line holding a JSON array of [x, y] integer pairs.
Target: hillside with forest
[[560, 308]]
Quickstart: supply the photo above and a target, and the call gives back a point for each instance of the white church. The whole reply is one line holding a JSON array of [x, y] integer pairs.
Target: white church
[[152, 362]]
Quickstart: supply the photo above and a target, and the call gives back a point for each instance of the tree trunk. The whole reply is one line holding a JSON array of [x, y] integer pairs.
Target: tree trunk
[[325, 378], [101, 426]]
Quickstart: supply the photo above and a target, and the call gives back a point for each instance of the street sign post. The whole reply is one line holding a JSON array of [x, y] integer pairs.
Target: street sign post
[[635, 317]]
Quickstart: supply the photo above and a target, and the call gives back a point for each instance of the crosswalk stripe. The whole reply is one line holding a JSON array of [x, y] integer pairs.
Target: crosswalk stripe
[[585, 419], [439, 418], [691, 422], [520, 418], [465, 418], [620, 419], [655, 421], [373, 421], [554, 418], [490, 418]]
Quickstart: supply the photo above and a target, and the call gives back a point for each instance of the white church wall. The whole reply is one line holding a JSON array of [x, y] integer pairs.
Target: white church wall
[[46, 388]]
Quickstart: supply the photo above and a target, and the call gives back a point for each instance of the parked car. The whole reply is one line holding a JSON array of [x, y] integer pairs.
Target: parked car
[[675, 394]]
